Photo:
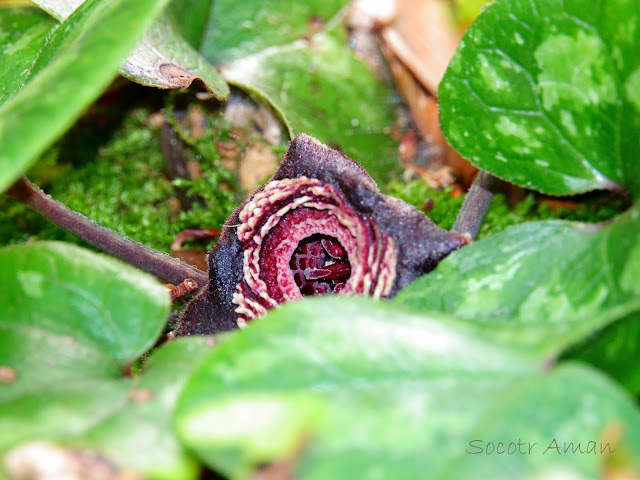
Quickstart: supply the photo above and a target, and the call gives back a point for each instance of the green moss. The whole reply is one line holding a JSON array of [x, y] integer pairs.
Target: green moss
[[445, 207], [122, 186], [592, 208], [500, 216]]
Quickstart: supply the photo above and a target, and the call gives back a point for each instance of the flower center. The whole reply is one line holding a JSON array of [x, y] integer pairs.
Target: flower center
[[320, 265]]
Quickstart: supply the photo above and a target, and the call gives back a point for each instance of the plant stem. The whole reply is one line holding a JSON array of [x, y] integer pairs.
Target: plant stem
[[476, 204], [159, 264]]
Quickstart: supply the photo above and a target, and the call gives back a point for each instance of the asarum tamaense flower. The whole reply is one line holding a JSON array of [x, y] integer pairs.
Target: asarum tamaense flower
[[319, 226]]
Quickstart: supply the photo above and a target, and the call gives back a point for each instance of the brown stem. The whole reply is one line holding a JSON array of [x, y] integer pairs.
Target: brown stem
[[162, 266], [476, 204]]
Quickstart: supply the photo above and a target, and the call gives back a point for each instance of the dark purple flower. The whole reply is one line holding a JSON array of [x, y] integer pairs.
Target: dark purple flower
[[319, 226]]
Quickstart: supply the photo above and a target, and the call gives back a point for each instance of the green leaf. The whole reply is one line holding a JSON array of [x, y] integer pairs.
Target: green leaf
[[140, 434], [319, 88], [73, 310], [72, 322], [162, 59], [403, 396], [70, 75], [293, 55], [23, 32], [546, 94], [541, 286]]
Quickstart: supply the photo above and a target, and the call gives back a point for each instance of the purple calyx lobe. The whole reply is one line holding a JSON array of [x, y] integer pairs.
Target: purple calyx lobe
[[320, 266]]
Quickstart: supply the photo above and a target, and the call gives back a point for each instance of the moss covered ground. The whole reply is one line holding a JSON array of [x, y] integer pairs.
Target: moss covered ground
[[122, 185]]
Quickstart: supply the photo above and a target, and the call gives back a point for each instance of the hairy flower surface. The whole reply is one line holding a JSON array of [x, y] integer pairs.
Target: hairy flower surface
[[319, 226]]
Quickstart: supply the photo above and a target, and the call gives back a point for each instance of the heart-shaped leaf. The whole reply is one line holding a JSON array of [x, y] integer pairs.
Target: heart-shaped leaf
[[403, 396], [546, 94]]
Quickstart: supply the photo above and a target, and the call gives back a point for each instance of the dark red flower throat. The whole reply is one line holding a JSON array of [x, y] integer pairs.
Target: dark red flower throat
[[320, 265]]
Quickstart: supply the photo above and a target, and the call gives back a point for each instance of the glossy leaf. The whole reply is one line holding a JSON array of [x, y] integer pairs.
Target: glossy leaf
[[95, 304], [69, 77], [72, 321], [541, 286], [546, 94], [319, 88], [404, 395], [162, 59]]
